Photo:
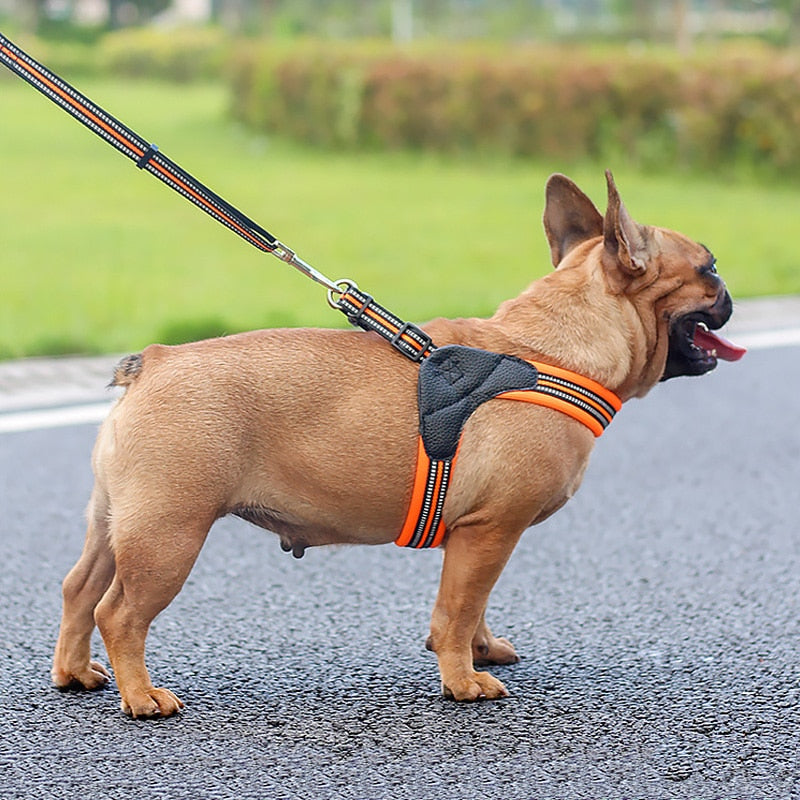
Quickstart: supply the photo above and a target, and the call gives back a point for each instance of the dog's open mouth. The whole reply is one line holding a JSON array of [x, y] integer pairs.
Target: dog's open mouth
[[694, 348], [711, 345]]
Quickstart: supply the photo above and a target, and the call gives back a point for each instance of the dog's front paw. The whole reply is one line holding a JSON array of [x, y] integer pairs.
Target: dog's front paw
[[93, 676], [151, 703], [477, 686]]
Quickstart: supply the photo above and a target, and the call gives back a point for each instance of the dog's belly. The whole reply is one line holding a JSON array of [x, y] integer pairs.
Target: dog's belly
[[292, 537], [268, 518], [297, 535]]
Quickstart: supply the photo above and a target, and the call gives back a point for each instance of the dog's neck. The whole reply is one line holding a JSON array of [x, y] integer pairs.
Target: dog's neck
[[598, 334]]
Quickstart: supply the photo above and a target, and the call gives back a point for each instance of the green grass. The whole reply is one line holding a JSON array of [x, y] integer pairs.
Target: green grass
[[98, 257]]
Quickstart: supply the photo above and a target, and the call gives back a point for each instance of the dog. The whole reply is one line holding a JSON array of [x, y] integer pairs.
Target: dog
[[304, 432]]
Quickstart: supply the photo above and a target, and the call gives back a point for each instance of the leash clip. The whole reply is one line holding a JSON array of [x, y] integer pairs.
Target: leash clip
[[283, 252], [287, 255]]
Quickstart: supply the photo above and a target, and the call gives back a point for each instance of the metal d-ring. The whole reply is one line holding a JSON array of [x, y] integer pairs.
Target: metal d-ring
[[343, 285]]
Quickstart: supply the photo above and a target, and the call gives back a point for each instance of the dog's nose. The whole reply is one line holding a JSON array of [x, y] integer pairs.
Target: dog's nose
[[723, 306]]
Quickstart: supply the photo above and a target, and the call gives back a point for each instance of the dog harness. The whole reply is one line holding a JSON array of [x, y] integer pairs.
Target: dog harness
[[453, 382]]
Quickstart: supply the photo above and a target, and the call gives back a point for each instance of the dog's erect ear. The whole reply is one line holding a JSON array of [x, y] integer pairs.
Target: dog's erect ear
[[623, 238], [570, 217]]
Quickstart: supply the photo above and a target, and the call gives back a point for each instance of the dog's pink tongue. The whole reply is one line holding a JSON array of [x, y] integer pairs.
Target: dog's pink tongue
[[708, 340]]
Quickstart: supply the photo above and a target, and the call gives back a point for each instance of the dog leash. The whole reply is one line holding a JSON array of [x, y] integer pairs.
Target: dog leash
[[360, 309], [559, 389]]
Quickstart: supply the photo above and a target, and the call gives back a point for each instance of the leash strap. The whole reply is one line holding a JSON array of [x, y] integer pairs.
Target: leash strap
[[343, 295], [148, 157], [363, 311]]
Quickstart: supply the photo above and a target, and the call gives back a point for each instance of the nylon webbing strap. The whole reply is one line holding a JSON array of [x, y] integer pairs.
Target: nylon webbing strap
[[364, 312], [146, 156], [360, 309], [424, 526], [575, 395]]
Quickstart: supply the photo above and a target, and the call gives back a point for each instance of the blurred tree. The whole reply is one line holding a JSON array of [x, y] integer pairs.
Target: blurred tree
[[407, 19], [681, 28], [31, 13], [129, 12], [792, 10], [637, 16]]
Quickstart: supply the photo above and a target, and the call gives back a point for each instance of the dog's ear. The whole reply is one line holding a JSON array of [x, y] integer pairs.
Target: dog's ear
[[570, 217], [624, 239]]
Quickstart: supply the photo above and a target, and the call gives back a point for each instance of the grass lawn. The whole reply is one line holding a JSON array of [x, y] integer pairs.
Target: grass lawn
[[98, 257]]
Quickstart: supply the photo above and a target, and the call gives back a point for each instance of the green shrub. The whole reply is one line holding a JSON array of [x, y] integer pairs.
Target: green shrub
[[177, 55], [183, 55], [722, 108]]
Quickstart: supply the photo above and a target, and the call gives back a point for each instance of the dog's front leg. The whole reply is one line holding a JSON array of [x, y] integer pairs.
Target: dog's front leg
[[474, 558]]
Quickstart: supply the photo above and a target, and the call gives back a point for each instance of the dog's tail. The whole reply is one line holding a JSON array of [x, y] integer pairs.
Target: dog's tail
[[126, 372]]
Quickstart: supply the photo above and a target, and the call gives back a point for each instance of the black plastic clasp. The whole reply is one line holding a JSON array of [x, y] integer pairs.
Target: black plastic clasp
[[356, 316], [147, 156], [418, 336]]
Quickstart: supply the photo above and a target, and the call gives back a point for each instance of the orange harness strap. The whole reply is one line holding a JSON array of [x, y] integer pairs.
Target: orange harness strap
[[579, 397]]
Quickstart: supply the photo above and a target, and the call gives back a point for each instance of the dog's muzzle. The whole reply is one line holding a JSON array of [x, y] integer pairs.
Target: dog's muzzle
[[694, 348]]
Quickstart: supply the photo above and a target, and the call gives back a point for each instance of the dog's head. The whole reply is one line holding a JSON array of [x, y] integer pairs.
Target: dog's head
[[671, 281]]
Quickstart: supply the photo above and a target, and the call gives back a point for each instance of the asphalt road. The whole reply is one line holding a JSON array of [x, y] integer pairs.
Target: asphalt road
[[657, 616]]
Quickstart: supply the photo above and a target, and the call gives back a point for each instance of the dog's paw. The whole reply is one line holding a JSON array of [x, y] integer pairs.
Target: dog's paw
[[478, 686], [151, 703], [93, 676], [495, 650]]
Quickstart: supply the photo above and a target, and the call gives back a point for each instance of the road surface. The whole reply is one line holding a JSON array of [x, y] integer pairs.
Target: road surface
[[657, 616]]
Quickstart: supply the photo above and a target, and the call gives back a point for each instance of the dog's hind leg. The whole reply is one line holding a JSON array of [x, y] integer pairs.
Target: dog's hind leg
[[154, 555], [490, 649], [82, 589], [473, 560]]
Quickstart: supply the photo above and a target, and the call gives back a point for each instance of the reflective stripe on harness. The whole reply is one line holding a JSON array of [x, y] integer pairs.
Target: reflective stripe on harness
[[579, 397]]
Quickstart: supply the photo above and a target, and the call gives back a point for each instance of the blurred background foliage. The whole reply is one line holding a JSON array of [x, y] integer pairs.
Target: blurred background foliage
[[378, 136], [702, 85], [678, 21]]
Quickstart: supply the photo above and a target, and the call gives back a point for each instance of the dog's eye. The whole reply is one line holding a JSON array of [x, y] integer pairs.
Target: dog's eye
[[709, 269]]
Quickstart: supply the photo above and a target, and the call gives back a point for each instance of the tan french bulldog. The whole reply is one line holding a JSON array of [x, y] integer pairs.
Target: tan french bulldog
[[304, 432]]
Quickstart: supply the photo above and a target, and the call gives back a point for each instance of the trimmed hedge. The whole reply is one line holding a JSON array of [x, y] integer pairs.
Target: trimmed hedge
[[725, 108], [182, 55], [729, 108]]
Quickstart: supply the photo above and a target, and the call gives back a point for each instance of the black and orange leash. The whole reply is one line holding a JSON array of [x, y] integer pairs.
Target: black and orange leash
[[562, 390], [360, 308]]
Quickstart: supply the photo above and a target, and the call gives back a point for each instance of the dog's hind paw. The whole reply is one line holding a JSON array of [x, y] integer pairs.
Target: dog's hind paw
[[93, 676], [151, 703], [478, 686], [493, 650]]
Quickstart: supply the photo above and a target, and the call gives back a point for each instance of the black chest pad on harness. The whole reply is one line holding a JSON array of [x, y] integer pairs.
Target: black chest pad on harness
[[453, 381]]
